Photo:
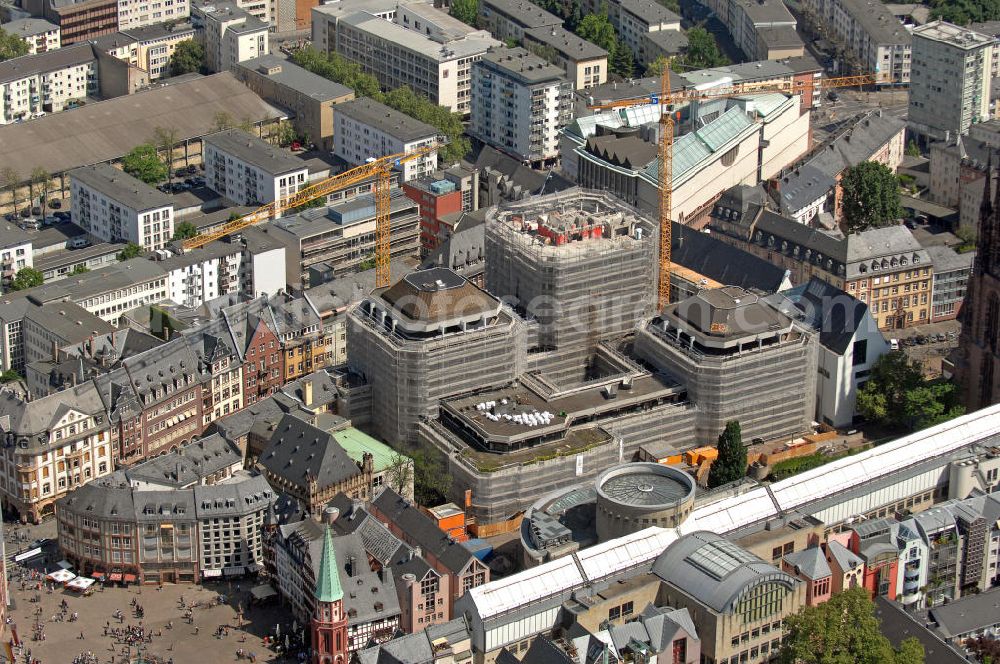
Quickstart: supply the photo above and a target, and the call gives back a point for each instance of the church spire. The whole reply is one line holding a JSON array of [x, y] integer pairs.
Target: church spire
[[328, 587]]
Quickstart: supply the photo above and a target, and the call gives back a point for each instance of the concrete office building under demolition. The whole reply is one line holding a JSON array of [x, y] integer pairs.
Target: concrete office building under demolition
[[545, 387], [580, 263]]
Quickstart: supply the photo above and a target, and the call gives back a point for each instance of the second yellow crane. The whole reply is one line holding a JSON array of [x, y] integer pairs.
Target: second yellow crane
[[380, 169], [665, 151]]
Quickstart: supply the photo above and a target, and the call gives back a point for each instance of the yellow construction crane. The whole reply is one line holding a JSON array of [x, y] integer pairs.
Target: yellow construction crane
[[380, 169], [665, 152]]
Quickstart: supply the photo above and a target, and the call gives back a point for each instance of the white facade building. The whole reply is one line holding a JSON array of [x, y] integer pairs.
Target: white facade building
[[365, 128], [428, 54], [113, 206], [249, 171], [203, 274], [520, 102], [949, 80], [229, 34], [33, 85], [37, 33], [15, 253], [139, 13]]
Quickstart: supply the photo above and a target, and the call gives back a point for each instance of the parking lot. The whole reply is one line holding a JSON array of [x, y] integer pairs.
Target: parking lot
[[928, 344]]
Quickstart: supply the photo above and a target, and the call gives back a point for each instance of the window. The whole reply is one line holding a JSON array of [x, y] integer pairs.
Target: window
[[860, 352]]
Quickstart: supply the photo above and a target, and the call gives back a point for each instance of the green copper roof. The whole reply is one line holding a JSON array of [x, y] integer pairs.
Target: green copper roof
[[328, 579]]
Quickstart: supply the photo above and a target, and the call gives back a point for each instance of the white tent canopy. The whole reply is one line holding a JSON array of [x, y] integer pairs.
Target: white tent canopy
[[62, 575]]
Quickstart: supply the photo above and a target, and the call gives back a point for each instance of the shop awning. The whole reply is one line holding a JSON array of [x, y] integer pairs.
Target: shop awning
[[233, 571], [28, 554], [115, 576], [211, 573], [263, 592], [130, 578], [99, 574]]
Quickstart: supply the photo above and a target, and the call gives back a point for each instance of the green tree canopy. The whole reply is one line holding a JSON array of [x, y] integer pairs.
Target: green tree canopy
[[10, 376], [317, 202], [702, 52], [431, 481], [871, 196], [131, 250], [912, 149], [731, 464], [144, 163], [597, 29], [27, 277], [11, 46], [466, 11], [188, 57], [963, 12], [897, 394], [657, 66], [184, 230], [843, 630], [623, 63], [80, 269]]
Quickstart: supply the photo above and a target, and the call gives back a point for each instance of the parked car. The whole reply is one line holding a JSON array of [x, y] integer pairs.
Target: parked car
[[62, 216], [31, 224], [941, 337], [952, 336], [192, 169], [893, 344], [79, 242], [51, 220], [922, 340], [10, 216]]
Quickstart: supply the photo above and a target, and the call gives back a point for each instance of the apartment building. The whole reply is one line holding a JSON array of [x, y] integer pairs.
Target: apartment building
[[868, 30], [950, 77], [54, 325], [34, 85], [365, 128], [762, 29], [57, 444], [436, 197], [15, 254], [520, 103], [958, 169], [310, 97], [140, 13], [951, 281], [886, 268], [229, 34], [250, 171], [200, 275], [636, 20], [165, 535], [510, 19], [342, 236], [586, 64], [436, 64], [39, 34], [148, 48], [80, 20], [113, 206]]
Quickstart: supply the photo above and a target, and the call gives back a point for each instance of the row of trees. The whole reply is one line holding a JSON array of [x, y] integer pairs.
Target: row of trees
[[963, 12], [898, 395], [39, 186], [405, 100]]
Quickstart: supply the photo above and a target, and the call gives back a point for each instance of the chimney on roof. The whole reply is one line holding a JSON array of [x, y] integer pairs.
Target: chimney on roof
[[307, 392]]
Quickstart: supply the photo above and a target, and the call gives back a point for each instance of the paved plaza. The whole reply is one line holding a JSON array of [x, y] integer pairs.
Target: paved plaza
[[184, 643]]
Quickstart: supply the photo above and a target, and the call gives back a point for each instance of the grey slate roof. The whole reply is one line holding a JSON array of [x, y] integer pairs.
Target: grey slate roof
[[121, 187], [970, 613], [524, 66], [946, 259], [897, 625], [422, 530], [252, 150], [810, 562], [28, 27], [234, 496], [650, 11], [526, 14], [714, 571], [189, 464], [41, 63], [836, 315], [385, 119], [663, 623], [865, 137], [565, 43], [804, 186], [846, 559], [723, 262], [288, 74], [297, 450]]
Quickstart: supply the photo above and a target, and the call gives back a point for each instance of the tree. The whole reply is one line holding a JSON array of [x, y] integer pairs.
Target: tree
[[40, 180], [184, 230], [431, 481], [871, 196], [285, 134], [843, 630], [223, 120], [188, 57], [657, 66], [27, 277], [10, 376], [623, 64], [931, 404], [702, 52], [897, 394], [985, 648], [466, 11], [400, 472], [597, 29], [144, 163], [131, 250], [731, 464], [80, 269], [165, 138], [11, 46], [912, 149], [9, 180]]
